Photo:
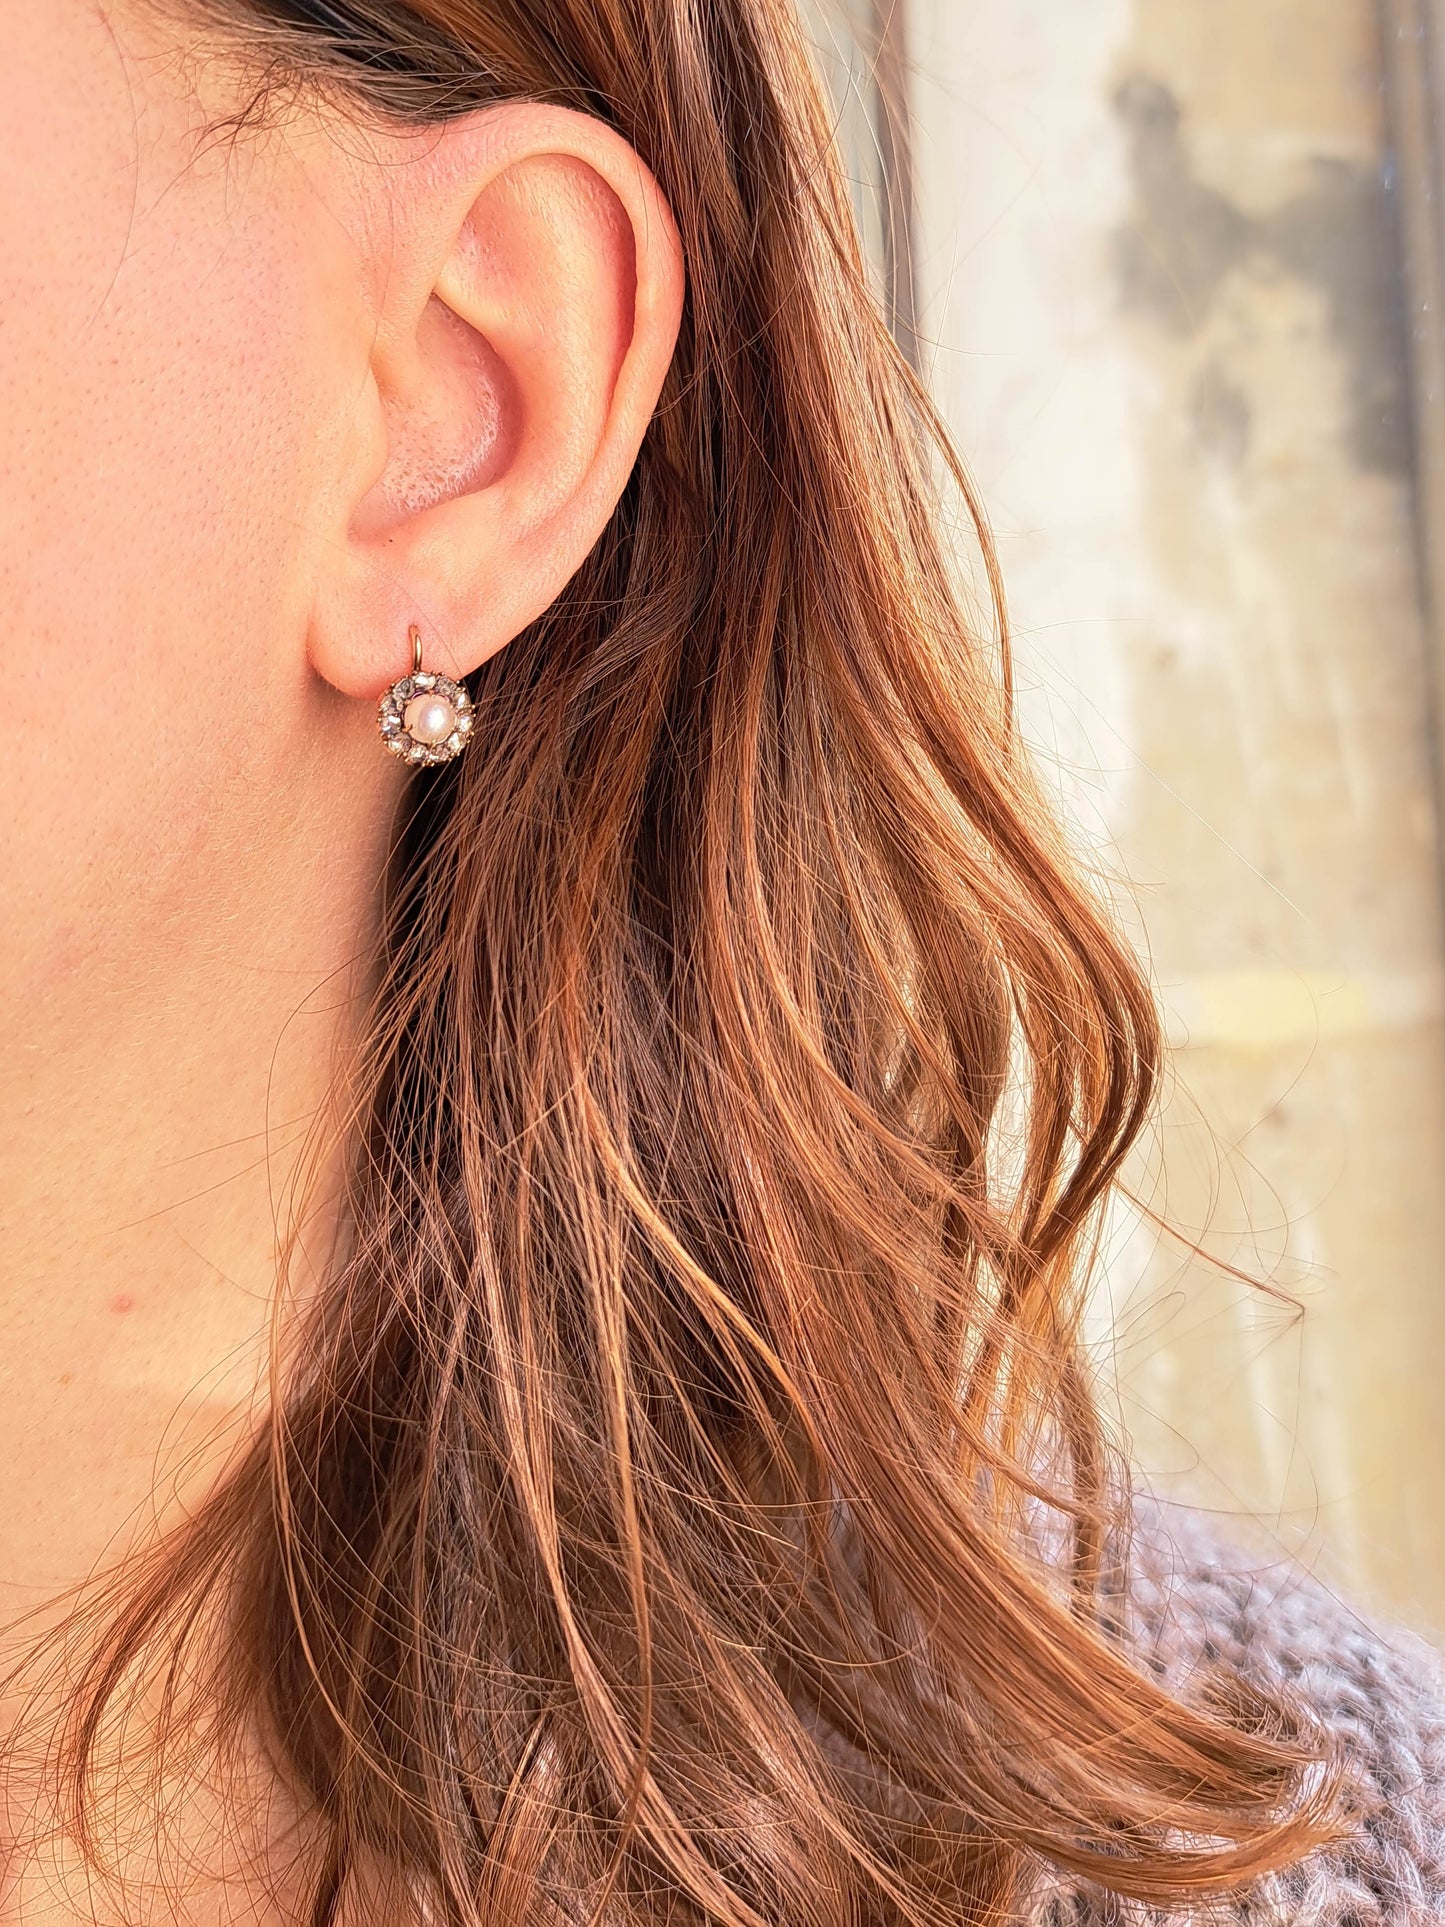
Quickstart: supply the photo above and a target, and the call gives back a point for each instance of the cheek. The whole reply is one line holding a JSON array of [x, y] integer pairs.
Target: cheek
[[163, 464]]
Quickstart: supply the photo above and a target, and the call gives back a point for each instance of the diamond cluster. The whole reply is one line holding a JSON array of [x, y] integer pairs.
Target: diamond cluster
[[437, 709]]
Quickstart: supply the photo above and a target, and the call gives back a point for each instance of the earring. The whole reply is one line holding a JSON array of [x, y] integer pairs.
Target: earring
[[424, 717]]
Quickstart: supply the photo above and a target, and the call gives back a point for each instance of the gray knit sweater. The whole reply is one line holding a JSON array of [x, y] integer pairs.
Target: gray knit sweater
[[1381, 1691]]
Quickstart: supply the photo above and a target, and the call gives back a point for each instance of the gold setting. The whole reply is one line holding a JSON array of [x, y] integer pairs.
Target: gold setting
[[401, 710]]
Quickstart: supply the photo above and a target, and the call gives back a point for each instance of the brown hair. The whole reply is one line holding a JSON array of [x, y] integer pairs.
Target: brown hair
[[648, 1526]]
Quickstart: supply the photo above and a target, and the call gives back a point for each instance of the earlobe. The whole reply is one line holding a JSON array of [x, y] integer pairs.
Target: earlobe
[[528, 292]]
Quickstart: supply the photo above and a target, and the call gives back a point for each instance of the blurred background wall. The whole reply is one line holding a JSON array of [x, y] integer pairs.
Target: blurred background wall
[[1164, 264]]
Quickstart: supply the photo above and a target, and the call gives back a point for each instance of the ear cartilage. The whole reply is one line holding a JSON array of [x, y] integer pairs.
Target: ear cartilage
[[424, 717]]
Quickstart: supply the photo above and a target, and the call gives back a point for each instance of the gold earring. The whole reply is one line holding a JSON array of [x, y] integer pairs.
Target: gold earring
[[424, 717]]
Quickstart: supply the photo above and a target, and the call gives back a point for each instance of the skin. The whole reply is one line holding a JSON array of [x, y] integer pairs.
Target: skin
[[264, 403]]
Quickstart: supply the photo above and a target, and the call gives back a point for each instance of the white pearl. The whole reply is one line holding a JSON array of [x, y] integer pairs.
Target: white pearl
[[429, 719]]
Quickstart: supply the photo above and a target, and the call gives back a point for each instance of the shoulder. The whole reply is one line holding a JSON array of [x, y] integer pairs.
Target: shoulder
[[1198, 1597]]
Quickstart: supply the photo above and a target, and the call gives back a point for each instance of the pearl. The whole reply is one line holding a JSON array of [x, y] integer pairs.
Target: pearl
[[430, 719]]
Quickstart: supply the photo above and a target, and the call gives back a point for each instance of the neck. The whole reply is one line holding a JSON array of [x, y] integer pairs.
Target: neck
[[161, 1125]]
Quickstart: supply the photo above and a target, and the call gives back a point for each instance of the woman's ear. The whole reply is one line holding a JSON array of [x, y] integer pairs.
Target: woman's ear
[[524, 281]]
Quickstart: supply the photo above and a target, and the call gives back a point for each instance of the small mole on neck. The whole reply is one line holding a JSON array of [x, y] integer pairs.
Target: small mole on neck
[[122, 1303]]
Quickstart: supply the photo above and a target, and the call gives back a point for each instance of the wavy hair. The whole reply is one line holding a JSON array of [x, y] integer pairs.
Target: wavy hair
[[686, 1501]]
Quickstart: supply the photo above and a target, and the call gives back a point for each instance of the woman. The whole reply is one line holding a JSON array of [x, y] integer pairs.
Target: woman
[[558, 1075]]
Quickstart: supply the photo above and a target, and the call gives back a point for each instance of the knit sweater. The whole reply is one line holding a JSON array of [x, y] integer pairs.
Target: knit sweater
[[1379, 1690]]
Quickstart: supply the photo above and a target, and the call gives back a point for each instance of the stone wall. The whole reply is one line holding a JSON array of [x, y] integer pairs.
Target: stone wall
[[1160, 302]]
